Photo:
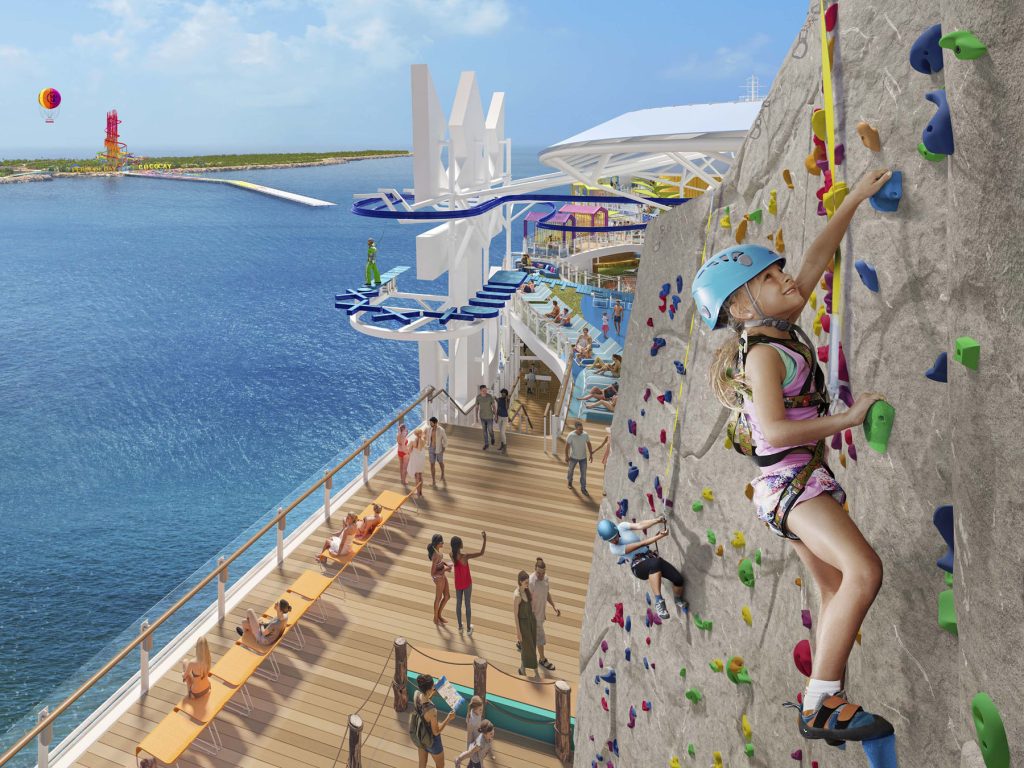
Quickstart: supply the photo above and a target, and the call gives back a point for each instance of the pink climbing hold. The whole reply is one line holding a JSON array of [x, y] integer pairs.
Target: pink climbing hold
[[617, 618], [802, 657], [805, 617], [647, 394], [852, 450], [650, 500], [848, 437], [826, 323], [604, 703], [632, 717], [645, 705], [830, 17], [664, 437], [797, 754], [604, 646], [652, 618], [837, 441], [648, 638]]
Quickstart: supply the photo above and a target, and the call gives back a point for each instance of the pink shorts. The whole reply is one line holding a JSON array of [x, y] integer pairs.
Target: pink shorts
[[768, 490]]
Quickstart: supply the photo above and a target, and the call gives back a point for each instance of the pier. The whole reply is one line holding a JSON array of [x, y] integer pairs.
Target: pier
[[263, 190]]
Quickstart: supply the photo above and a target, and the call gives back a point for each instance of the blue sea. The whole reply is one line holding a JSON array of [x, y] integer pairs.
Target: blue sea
[[172, 368]]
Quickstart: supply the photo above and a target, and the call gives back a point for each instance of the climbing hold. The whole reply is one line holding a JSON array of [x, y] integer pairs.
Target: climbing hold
[[628, 626], [842, 460], [835, 196], [840, 153], [697, 506], [694, 695], [680, 368], [780, 244], [968, 352], [830, 17], [741, 232], [947, 611], [712, 539], [805, 618], [837, 441], [737, 672], [682, 672], [716, 665], [991, 732], [811, 166], [745, 725], [631, 425], [656, 344], [798, 581], [719, 550], [773, 203], [938, 370], [943, 520], [802, 657], [645, 705], [748, 749], [674, 762], [650, 322], [608, 677], [749, 492], [755, 216], [878, 425], [966, 47], [867, 273], [717, 757], [629, 654], [826, 323], [757, 556], [701, 623], [738, 540], [647, 664], [787, 177], [707, 494], [647, 396], [690, 750], [748, 618], [934, 157], [746, 572], [818, 123], [652, 618], [887, 199], [633, 472], [616, 619], [632, 717], [667, 397], [604, 703], [622, 508], [657, 480], [925, 53], [937, 136], [642, 450], [663, 437], [725, 222], [797, 754], [869, 136], [853, 452]]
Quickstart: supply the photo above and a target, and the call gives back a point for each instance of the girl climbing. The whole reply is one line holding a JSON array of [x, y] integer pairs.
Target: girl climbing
[[771, 377], [646, 564]]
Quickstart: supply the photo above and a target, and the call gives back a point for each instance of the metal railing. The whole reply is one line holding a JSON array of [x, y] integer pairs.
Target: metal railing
[[552, 335], [581, 243], [622, 284], [43, 728]]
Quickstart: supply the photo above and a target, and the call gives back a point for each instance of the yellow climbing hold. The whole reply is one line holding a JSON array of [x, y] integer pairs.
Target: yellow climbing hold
[[717, 756], [745, 725], [780, 244], [741, 232], [858, 637], [846, 507], [816, 327], [820, 313], [818, 123], [798, 581], [719, 550], [748, 618], [749, 492], [773, 203], [728, 443], [739, 541], [674, 762], [716, 665], [707, 494], [842, 459], [787, 177], [725, 222], [834, 197], [813, 300]]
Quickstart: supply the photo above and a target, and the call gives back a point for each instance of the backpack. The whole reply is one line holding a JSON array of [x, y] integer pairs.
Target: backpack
[[420, 732], [739, 429]]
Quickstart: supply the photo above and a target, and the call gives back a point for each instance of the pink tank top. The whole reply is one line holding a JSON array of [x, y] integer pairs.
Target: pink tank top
[[762, 445], [462, 577]]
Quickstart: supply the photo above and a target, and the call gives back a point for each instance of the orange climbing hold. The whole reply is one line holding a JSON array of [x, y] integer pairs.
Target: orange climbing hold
[[749, 491], [780, 244], [869, 136], [798, 581], [842, 459], [719, 550], [741, 232], [787, 177], [811, 165]]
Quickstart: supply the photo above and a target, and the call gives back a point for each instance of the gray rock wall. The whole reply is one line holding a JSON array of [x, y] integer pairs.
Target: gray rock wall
[[949, 264]]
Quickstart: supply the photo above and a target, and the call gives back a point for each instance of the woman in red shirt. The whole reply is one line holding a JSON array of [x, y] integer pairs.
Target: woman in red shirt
[[463, 579]]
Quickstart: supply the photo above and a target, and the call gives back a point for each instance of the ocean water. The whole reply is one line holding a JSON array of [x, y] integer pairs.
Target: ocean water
[[171, 368]]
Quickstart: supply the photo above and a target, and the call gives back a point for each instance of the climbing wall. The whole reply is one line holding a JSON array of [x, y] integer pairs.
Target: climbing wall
[[946, 253]]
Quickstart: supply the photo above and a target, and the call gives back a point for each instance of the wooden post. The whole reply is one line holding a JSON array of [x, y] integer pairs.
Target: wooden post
[[563, 742], [401, 675], [355, 737], [222, 580], [328, 483], [280, 538], [480, 678]]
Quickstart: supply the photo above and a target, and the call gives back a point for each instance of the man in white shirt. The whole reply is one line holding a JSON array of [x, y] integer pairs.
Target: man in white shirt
[[437, 441], [540, 590], [577, 450]]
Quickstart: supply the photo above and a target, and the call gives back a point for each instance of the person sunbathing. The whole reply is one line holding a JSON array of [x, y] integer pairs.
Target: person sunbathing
[[613, 368], [366, 526], [608, 403], [584, 346], [566, 318], [601, 393], [266, 631], [555, 311], [340, 544]]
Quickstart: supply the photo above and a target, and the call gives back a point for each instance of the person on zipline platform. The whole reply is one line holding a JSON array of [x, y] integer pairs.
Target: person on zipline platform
[[371, 263]]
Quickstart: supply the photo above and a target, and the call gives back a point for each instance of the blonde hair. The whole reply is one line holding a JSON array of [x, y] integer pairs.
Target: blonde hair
[[727, 383], [476, 703], [203, 660]]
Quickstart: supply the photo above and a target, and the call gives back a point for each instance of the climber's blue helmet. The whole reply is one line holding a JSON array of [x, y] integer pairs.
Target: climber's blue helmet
[[607, 530], [726, 271]]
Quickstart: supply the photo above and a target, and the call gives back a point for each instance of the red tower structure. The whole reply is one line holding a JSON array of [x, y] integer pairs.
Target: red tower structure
[[115, 151]]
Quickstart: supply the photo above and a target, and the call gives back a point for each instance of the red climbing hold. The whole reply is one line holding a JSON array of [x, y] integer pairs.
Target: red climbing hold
[[650, 500], [848, 437], [797, 754], [647, 394], [830, 17], [604, 646], [802, 657], [604, 703], [645, 705], [650, 322], [617, 618], [661, 399], [664, 437], [826, 323]]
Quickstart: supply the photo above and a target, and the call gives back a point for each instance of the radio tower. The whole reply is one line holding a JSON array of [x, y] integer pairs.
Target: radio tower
[[752, 89], [115, 151]]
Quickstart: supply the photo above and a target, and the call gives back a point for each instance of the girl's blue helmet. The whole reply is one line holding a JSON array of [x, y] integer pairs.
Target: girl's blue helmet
[[607, 530], [726, 271]]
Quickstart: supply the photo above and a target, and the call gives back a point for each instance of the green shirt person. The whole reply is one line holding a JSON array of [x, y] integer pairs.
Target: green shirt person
[[371, 263]]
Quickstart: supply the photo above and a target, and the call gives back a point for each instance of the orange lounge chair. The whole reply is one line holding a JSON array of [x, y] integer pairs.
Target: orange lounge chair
[[171, 737]]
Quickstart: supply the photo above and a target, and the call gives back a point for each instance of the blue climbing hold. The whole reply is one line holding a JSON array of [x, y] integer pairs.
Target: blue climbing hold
[[938, 370], [646, 664], [642, 450], [937, 136], [656, 345], [632, 426], [615, 747], [633, 472], [867, 273], [666, 289], [629, 623], [679, 283], [657, 490], [887, 199], [925, 53], [609, 677], [629, 653], [623, 508], [943, 519], [680, 368], [643, 412], [667, 397]]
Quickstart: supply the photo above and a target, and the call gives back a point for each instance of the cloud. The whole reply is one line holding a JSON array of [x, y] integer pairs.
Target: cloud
[[725, 62]]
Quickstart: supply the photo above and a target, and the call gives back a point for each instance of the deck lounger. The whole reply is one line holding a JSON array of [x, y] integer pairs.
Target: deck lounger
[[171, 737], [312, 586], [396, 501], [235, 668]]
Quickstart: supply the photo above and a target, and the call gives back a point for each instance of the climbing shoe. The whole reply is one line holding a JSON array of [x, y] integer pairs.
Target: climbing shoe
[[837, 720], [661, 609], [682, 605]]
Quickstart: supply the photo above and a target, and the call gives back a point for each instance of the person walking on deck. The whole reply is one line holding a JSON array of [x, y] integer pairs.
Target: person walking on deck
[[503, 402], [526, 624], [437, 441], [577, 448], [531, 379], [485, 404], [371, 263], [540, 598], [464, 579]]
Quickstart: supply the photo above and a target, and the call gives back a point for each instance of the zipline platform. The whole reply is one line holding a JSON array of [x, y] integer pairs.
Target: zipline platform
[[521, 500], [263, 190]]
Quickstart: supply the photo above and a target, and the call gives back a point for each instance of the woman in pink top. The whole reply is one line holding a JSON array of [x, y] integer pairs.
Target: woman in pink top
[[403, 451], [463, 579]]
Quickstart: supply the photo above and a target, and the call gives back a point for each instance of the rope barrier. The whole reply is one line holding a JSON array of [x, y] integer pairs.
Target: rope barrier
[[516, 677], [359, 709], [440, 661]]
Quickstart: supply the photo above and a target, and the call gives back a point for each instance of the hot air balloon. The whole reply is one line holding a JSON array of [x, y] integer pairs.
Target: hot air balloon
[[49, 103]]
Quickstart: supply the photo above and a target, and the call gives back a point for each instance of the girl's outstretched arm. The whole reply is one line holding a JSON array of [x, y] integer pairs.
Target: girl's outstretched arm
[[817, 257]]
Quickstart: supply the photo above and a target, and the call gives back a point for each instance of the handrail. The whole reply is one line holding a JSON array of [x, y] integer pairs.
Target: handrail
[[436, 393], [47, 721], [521, 409], [566, 387]]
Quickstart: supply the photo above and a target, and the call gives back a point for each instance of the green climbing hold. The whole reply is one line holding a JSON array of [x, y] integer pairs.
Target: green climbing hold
[[746, 572], [949, 579], [749, 749], [757, 556], [682, 672], [878, 425], [756, 216], [712, 539], [968, 352], [991, 733], [964, 44], [947, 611], [694, 695], [697, 506], [690, 750], [737, 672], [701, 623], [934, 157]]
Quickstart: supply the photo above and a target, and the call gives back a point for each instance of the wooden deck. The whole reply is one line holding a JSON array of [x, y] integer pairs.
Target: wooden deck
[[521, 500]]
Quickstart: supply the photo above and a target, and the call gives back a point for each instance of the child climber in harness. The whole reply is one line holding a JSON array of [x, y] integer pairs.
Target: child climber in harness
[[768, 372], [624, 541]]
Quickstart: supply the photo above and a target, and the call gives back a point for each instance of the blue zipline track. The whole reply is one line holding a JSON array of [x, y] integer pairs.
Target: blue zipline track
[[376, 208]]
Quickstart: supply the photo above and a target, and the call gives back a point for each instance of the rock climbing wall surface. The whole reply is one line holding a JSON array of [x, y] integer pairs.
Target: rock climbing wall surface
[[948, 259]]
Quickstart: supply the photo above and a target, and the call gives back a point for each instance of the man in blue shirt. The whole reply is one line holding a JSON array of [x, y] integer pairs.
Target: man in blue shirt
[[624, 542]]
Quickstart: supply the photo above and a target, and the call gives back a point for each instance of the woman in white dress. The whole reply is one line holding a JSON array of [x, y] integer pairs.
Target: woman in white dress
[[417, 458]]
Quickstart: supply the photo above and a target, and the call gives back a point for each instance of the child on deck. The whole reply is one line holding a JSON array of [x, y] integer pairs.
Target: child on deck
[[767, 371], [604, 324], [479, 748]]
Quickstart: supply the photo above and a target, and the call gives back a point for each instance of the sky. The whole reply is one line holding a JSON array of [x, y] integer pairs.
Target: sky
[[321, 75]]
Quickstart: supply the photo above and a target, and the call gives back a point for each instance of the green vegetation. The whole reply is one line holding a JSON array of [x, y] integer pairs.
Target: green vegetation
[[197, 161], [568, 297]]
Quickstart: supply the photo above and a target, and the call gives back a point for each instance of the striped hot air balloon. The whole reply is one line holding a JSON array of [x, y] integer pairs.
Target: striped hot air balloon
[[49, 103]]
